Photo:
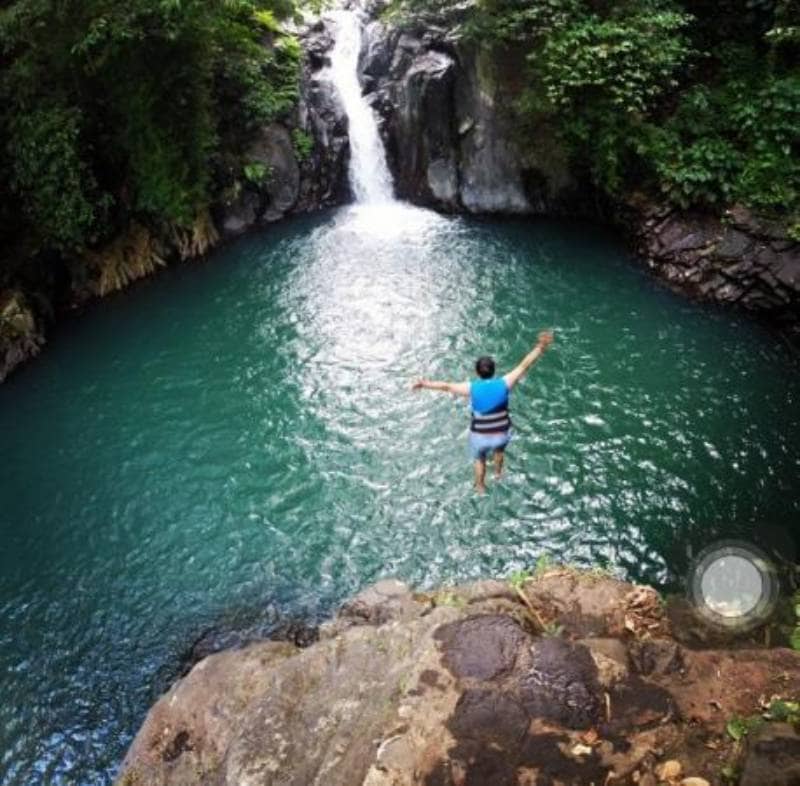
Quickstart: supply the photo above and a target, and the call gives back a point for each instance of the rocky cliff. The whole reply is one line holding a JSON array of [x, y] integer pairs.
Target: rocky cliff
[[445, 111], [297, 179], [737, 259], [566, 679], [444, 117]]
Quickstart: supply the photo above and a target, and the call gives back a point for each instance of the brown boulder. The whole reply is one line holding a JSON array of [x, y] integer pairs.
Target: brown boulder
[[402, 691]]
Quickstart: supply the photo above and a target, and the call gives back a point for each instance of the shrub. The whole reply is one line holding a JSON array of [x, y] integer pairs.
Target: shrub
[[49, 175], [303, 143]]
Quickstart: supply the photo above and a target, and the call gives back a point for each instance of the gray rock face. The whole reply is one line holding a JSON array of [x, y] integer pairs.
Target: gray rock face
[[493, 168], [241, 214], [744, 262], [277, 193], [295, 183], [323, 174], [281, 185], [450, 138], [420, 112]]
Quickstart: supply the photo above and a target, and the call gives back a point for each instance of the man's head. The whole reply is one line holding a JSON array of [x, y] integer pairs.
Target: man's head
[[485, 367]]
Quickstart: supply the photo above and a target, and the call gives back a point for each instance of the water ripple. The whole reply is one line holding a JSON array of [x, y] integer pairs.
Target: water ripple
[[241, 434]]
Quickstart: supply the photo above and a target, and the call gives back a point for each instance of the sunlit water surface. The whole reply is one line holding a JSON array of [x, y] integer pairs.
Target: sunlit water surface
[[239, 434]]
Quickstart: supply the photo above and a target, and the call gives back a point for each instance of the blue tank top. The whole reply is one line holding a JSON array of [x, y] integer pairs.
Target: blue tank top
[[489, 400]]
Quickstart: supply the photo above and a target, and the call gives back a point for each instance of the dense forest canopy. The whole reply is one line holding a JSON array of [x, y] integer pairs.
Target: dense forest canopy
[[115, 110]]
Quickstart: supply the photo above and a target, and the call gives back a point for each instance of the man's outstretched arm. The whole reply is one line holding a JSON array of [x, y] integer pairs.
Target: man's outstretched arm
[[514, 376], [456, 388]]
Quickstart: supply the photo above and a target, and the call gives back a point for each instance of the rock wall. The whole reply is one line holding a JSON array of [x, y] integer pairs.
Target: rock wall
[[738, 259], [297, 181], [569, 679], [450, 139]]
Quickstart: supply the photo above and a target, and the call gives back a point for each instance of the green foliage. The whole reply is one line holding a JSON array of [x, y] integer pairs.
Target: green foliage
[[267, 20], [779, 710], [303, 143], [738, 727], [543, 564], [261, 84], [48, 175], [622, 64], [784, 711], [255, 172], [518, 578], [732, 143], [552, 630], [697, 102], [120, 110]]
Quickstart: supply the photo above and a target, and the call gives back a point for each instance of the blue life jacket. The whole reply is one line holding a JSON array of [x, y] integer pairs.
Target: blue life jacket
[[489, 400]]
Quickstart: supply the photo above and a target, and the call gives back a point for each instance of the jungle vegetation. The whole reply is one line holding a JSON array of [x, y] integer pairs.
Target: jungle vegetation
[[129, 114]]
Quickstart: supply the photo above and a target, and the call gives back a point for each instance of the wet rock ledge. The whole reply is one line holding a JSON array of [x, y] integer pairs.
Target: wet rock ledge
[[739, 259], [566, 679]]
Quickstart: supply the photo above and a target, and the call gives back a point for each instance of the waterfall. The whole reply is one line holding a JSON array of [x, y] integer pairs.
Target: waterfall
[[369, 174]]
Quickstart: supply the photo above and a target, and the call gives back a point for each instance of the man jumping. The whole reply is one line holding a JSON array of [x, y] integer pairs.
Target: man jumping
[[490, 430]]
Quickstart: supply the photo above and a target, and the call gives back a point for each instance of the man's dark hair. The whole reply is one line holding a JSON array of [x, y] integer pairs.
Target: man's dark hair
[[485, 367]]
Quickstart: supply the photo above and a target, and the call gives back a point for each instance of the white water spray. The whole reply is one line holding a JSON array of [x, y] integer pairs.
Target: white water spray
[[369, 174]]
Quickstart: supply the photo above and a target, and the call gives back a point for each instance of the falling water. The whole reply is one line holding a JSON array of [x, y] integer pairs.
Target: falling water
[[369, 174]]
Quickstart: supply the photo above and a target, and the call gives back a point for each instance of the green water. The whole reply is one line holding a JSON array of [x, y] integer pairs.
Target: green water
[[240, 434]]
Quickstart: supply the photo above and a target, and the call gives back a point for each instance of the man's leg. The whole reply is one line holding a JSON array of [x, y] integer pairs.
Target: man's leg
[[480, 475], [499, 455]]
